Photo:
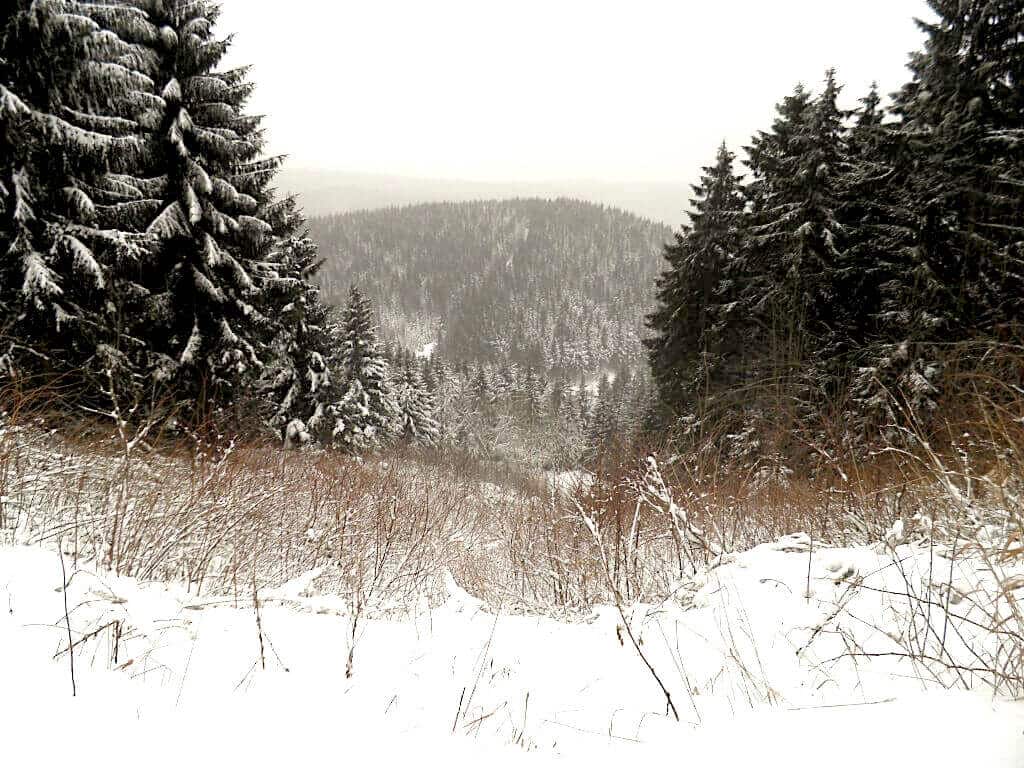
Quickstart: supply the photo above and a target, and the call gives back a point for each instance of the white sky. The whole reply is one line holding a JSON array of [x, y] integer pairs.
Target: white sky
[[517, 90]]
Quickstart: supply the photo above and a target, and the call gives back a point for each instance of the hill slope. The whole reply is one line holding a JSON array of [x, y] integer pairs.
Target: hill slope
[[559, 284]]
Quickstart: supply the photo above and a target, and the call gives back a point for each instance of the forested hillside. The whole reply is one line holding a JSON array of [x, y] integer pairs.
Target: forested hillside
[[559, 285]]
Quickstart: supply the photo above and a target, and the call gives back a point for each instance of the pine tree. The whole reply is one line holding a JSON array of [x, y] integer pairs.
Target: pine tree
[[366, 413], [696, 290]]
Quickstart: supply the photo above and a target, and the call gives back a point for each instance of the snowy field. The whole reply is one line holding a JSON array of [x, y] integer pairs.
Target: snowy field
[[761, 655]]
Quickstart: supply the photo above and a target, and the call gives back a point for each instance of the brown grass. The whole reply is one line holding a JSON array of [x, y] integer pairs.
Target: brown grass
[[231, 519]]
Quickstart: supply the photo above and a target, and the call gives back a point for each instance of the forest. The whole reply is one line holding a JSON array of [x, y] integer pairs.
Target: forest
[[507, 479], [837, 284], [558, 285]]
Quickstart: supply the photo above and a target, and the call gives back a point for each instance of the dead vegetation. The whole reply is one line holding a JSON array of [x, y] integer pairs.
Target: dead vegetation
[[233, 519]]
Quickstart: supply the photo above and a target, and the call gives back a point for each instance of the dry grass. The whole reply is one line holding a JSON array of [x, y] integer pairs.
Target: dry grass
[[233, 519]]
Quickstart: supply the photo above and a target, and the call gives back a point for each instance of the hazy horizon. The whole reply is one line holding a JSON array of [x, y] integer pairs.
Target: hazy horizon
[[324, 192], [544, 93]]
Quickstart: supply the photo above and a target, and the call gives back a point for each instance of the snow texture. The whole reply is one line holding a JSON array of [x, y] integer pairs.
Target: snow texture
[[176, 679]]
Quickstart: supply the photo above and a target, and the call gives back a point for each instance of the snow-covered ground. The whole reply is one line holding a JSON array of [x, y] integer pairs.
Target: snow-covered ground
[[568, 482], [748, 650]]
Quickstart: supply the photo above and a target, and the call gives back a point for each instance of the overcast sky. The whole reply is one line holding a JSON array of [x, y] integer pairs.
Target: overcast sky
[[510, 90]]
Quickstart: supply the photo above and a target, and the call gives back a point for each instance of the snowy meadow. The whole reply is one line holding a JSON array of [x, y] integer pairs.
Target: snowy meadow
[[399, 606]]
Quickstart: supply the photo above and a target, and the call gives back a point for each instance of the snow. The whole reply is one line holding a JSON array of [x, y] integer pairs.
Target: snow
[[568, 482], [427, 351], [742, 650]]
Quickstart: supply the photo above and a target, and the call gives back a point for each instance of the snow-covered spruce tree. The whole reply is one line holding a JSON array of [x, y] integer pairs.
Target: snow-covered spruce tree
[[74, 93], [534, 396], [692, 325], [302, 385], [774, 145], [881, 232], [206, 204], [796, 247], [963, 120], [433, 373], [483, 391], [366, 413], [417, 408], [603, 428]]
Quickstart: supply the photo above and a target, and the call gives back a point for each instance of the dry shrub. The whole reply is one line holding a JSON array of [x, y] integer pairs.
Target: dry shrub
[[386, 531]]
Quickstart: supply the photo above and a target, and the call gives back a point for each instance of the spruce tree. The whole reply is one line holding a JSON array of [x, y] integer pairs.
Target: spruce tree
[[692, 325], [417, 409], [303, 385], [534, 391], [73, 94], [947, 207], [963, 114], [207, 207], [603, 425], [796, 247], [366, 412]]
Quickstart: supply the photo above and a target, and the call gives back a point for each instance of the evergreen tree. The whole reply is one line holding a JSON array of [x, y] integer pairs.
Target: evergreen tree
[[207, 206], [417, 409], [604, 426], [769, 148], [483, 394], [535, 389], [951, 233], [797, 246], [366, 413], [303, 387], [73, 93], [963, 115], [795, 232], [696, 291]]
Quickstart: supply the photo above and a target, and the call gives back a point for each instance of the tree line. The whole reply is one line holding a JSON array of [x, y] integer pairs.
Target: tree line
[[861, 254]]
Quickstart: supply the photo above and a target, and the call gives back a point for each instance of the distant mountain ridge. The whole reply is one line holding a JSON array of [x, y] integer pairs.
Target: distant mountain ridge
[[323, 193]]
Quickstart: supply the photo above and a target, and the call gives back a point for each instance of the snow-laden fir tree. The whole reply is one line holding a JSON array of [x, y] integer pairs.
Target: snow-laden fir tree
[[366, 415], [697, 290], [303, 386], [534, 391], [963, 118], [74, 95], [207, 206], [796, 244], [417, 408], [944, 201], [483, 391], [603, 427]]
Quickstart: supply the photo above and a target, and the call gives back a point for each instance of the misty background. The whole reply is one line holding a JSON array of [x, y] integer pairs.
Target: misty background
[[618, 103]]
